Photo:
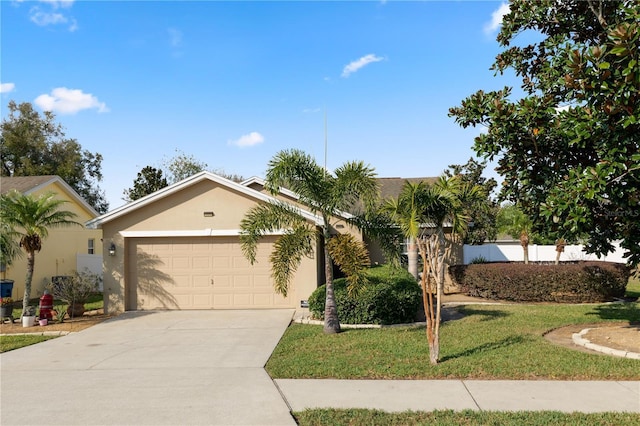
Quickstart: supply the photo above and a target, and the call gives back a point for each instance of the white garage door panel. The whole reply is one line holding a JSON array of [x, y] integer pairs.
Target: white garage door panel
[[201, 273]]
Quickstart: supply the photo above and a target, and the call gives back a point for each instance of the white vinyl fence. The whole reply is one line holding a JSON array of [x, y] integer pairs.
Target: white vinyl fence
[[507, 252], [92, 262]]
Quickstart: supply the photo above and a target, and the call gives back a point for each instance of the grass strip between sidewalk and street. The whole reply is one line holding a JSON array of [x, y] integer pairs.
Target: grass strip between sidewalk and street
[[321, 417]]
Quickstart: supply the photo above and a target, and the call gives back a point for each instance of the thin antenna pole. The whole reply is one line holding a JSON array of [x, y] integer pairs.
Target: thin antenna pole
[[325, 140]]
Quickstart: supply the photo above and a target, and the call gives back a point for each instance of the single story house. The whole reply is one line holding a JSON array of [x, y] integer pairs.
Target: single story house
[[179, 248], [65, 249]]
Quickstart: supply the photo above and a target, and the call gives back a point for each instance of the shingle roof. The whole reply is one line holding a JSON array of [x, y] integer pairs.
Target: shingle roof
[[23, 184], [392, 186], [28, 184]]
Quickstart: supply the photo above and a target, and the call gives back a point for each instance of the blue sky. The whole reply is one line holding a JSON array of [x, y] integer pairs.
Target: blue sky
[[233, 83]]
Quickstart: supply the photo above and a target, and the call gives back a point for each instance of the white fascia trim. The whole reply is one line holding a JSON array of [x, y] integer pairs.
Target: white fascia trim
[[189, 233], [134, 205], [289, 193], [70, 191]]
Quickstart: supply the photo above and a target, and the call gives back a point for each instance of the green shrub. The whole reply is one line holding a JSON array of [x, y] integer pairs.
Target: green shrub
[[390, 296], [76, 288], [579, 282]]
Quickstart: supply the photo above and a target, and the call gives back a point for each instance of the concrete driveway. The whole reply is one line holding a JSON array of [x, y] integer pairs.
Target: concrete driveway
[[150, 368]]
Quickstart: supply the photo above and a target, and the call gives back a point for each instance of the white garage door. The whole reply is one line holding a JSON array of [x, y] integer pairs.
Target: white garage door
[[199, 273]]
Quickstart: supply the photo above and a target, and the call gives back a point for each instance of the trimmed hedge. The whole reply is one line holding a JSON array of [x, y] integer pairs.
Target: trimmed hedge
[[569, 282], [389, 297]]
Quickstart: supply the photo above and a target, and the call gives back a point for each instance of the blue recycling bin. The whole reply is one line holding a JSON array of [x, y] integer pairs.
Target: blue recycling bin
[[6, 288]]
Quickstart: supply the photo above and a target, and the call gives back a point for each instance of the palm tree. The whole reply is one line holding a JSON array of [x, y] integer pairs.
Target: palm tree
[[31, 218], [423, 211], [511, 220], [9, 248], [404, 212], [323, 193]]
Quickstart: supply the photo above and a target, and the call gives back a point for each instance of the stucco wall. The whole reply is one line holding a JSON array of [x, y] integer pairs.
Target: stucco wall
[[182, 213]]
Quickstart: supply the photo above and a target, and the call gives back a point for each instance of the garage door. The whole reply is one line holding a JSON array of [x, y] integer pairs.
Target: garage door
[[199, 273]]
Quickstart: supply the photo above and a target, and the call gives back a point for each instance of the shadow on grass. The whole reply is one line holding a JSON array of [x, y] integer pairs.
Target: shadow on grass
[[617, 311], [507, 341], [487, 315]]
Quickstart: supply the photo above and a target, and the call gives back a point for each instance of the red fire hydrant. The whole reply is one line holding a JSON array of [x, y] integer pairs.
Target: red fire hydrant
[[46, 306]]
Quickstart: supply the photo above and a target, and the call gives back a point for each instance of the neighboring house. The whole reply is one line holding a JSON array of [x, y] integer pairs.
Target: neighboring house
[[65, 249], [179, 248]]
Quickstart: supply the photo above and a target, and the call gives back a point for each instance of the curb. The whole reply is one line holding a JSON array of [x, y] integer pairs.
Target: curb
[[578, 339], [40, 333]]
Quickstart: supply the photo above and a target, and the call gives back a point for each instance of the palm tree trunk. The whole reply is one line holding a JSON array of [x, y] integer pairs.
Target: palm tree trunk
[[331, 321], [524, 242], [412, 257], [31, 260]]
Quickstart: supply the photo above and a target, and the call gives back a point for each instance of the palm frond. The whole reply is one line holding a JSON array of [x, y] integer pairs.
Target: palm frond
[[267, 218], [287, 253], [353, 259], [355, 185]]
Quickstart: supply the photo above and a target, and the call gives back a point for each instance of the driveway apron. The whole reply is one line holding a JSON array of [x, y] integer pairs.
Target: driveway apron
[[150, 368]]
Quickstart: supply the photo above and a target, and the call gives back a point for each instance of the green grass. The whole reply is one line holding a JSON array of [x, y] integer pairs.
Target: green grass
[[633, 287], [321, 417], [490, 342], [10, 342], [95, 301]]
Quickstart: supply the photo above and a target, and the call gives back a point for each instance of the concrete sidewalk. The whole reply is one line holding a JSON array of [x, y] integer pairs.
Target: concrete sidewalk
[[486, 395]]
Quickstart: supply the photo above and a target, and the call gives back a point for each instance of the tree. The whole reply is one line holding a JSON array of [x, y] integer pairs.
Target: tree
[[404, 211], [149, 180], [182, 166], [568, 150], [482, 214], [30, 218], [423, 211], [9, 247], [322, 193], [512, 221], [32, 145]]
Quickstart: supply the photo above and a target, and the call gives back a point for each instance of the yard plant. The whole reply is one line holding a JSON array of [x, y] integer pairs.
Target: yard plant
[[323, 193], [389, 296]]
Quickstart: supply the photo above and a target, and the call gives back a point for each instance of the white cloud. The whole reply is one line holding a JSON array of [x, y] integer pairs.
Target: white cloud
[[496, 18], [175, 37], [69, 101], [58, 3], [357, 64], [251, 139], [52, 14], [7, 87]]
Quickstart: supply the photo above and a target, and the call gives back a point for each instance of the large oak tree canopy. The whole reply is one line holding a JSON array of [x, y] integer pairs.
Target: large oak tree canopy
[[33, 144], [569, 149]]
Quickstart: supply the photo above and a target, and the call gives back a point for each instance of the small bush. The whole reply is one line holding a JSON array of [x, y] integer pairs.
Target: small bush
[[390, 296], [76, 288], [579, 282]]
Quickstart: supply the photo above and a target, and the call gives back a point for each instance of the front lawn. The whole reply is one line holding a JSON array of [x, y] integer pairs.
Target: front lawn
[[490, 342], [321, 417]]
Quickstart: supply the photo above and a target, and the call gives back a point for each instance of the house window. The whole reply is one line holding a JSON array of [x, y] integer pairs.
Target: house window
[[91, 246]]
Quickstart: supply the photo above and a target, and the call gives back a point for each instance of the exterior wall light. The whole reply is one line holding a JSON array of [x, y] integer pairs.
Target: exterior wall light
[[112, 250]]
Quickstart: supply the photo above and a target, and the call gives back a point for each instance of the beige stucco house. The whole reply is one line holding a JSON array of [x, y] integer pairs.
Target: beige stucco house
[[179, 248], [65, 249]]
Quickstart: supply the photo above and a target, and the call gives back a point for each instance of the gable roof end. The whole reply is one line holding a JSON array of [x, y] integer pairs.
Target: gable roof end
[[178, 186]]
